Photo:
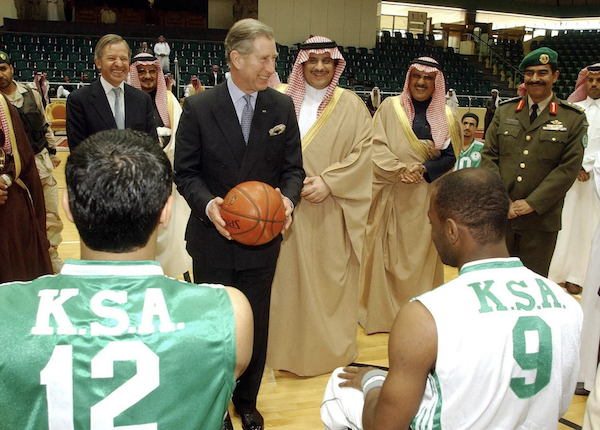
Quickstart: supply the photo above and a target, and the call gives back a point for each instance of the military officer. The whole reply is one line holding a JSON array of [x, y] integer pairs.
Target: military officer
[[535, 143]]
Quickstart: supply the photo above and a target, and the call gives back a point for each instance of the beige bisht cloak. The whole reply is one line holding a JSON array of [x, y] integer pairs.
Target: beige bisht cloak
[[171, 250], [400, 260], [314, 301]]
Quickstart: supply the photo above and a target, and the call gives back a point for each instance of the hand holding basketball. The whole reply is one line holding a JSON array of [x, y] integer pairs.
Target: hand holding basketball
[[289, 208], [254, 213], [214, 213]]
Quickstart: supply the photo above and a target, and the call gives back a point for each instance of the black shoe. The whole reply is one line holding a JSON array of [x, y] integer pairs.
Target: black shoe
[[580, 390], [227, 424], [252, 420]]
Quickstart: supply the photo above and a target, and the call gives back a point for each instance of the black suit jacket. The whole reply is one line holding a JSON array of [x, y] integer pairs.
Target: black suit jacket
[[88, 112], [211, 157], [211, 78]]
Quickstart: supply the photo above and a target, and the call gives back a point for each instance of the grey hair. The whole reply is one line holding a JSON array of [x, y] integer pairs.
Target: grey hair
[[242, 34]]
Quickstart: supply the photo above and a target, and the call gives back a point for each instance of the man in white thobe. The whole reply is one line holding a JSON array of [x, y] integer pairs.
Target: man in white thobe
[[581, 212]]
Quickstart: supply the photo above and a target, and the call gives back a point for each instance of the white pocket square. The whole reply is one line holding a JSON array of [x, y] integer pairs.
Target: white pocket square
[[278, 129]]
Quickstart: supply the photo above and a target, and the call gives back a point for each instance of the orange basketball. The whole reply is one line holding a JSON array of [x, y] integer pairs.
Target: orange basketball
[[253, 212]]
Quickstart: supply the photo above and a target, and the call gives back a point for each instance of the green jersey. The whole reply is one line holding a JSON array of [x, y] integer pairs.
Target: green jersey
[[470, 157], [115, 345]]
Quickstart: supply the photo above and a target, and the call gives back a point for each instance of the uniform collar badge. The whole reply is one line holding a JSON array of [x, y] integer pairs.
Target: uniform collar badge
[[520, 105]]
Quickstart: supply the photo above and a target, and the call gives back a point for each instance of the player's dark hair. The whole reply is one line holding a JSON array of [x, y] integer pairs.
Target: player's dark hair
[[118, 183], [476, 199], [471, 115]]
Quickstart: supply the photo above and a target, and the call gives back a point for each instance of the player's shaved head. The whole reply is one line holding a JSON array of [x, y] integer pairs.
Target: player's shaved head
[[476, 199]]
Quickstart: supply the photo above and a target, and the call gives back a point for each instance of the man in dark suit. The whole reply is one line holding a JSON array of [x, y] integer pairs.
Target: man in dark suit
[[145, 49], [239, 131], [108, 102], [216, 77]]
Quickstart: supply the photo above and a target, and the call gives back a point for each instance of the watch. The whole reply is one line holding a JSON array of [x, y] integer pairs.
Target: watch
[[7, 179]]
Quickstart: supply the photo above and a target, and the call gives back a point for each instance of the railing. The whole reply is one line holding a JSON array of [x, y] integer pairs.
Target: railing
[[176, 77], [493, 52], [470, 98]]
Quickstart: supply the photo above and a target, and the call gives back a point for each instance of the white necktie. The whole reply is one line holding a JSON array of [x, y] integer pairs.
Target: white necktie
[[119, 116]]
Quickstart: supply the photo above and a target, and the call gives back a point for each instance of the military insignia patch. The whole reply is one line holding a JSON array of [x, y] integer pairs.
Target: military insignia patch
[[3, 57], [544, 59], [584, 140]]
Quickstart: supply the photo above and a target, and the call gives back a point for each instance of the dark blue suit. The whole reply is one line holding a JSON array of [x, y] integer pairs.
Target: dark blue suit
[[88, 112], [211, 157]]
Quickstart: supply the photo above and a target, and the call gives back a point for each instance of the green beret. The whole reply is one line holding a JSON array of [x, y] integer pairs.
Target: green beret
[[539, 57], [4, 58]]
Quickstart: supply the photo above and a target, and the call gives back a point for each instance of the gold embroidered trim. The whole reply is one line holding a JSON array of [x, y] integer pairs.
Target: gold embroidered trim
[[322, 119], [13, 139], [15, 148], [455, 136], [408, 131]]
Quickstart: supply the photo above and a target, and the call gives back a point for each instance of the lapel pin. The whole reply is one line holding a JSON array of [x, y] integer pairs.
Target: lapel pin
[[264, 111]]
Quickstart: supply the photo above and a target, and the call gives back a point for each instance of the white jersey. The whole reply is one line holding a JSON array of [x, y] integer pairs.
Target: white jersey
[[507, 350]]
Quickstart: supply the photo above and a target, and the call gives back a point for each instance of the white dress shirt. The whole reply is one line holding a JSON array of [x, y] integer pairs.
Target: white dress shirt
[[110, 94], [237, 97]]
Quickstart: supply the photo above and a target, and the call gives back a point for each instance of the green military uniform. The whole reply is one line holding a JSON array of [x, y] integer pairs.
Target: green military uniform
[[537, 162]]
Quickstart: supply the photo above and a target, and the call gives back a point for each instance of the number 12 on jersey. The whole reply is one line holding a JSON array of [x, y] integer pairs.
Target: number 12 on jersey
[[57, 376]]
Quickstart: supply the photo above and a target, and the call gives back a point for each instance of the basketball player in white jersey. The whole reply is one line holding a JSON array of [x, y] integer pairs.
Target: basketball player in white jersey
[[495, 348]]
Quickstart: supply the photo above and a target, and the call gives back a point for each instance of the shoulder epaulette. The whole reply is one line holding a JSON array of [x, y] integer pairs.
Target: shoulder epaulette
[[513, 100], [573, 106]]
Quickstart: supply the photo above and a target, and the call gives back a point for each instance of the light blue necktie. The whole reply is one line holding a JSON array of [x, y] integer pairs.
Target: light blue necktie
[[247, 115], [119, 116]]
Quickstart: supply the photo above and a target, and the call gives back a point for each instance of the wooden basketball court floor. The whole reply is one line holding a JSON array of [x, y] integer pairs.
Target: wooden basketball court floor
[[287, 401]]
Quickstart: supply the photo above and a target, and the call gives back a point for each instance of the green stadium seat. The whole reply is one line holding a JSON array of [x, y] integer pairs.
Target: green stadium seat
[[61, 65], [11, 46], [9, 37], [40, 65], [55, 56]]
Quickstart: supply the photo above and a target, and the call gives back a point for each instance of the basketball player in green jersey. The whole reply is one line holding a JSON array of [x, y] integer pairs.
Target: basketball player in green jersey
[[111, 342], [470, 152]]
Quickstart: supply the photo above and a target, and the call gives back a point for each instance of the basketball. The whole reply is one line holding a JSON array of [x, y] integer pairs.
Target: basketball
[[253, 212]]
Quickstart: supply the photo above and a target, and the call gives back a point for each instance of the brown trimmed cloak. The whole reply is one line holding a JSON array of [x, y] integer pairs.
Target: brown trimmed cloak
[[23, 243]]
